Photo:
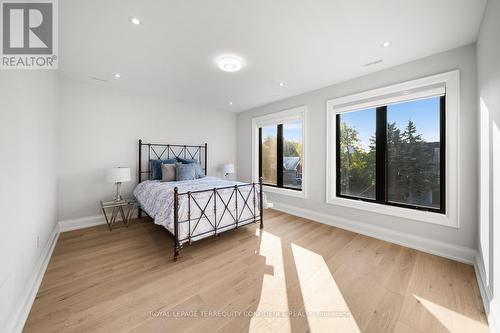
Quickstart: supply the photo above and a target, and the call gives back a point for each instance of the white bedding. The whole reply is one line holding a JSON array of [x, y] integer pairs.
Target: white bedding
[[157, 199]]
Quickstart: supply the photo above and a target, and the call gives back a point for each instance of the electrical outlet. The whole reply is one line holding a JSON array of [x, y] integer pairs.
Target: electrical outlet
[[37, 242]]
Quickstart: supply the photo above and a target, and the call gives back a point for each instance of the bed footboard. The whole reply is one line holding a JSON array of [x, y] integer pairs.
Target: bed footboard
[[239, 205]]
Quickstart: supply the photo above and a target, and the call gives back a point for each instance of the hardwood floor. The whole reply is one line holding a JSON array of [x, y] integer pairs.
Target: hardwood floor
[[126, 281]]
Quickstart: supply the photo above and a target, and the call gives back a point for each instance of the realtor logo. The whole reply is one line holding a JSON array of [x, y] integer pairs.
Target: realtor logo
[[29, 35]]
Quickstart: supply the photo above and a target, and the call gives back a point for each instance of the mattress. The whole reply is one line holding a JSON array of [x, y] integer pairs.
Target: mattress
[[206, 209]]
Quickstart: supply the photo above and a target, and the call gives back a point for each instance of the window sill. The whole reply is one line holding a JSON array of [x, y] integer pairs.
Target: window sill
[[407, 213], [285, 191]]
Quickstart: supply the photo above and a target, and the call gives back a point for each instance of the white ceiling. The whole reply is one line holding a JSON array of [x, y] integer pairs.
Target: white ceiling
[[306, 44]]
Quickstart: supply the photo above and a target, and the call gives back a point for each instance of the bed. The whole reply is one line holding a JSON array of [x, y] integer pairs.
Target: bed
[[191, 210]]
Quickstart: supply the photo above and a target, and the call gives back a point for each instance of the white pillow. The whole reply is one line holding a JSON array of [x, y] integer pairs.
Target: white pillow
[[167, 172]]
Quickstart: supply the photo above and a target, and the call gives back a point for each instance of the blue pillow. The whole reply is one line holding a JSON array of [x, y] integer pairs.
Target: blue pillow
[[186, 161], [199, 170], [185, 171], [155, 167]]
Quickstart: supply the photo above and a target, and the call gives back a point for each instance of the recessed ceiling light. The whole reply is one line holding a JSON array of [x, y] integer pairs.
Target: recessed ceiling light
[[282, 84], [386, 44], [230, 103], [230, 63], [117, 75], [134, 20]]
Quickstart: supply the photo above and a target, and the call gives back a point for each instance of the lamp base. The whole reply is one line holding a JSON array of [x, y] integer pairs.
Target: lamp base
[[118, 196]]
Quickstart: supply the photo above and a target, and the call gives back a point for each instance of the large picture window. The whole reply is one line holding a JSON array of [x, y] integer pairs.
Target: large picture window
[[281, 154], [394, 154], [394, 150]]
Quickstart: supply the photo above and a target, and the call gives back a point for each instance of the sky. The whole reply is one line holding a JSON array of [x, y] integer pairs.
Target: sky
[[292, 131], [424, 113]]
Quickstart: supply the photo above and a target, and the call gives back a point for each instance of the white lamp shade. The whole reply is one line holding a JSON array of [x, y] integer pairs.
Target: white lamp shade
[[118, 175], [228, 168]]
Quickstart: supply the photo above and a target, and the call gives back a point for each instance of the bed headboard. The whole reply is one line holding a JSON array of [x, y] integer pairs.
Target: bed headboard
[[152, 151]]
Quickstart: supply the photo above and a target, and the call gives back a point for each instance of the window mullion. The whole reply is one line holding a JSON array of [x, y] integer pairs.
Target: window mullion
[[279, 165], [381, 155]]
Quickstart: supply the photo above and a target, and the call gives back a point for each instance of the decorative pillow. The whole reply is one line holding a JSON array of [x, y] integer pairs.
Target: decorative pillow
[[199, 171], [186, 161], [185, 171], [168, 172], [155, 167]]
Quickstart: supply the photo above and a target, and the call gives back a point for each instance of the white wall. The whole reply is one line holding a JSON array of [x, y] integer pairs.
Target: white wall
[[100, 127], [460, 240], [28, 198], [488, 68]]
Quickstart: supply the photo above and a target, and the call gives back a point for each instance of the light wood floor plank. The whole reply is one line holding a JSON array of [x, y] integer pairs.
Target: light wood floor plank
[[294, 276]]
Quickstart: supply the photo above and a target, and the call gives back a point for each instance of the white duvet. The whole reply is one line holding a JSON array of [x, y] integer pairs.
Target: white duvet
[[157, 200]]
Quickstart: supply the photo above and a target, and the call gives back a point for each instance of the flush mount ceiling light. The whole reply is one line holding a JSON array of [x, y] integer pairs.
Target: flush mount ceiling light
[[282, 84], [230, 103], [230, 63], [117, 75], [386, 44], [134, 20]]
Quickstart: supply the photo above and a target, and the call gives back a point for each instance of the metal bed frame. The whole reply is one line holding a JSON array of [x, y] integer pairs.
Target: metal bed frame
[[242, 202]]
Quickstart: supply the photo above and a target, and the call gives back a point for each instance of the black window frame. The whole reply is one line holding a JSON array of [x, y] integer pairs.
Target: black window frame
[[279, 159], [381, 161]]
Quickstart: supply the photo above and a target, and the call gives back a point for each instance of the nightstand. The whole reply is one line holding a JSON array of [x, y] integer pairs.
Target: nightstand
[[123, 208]]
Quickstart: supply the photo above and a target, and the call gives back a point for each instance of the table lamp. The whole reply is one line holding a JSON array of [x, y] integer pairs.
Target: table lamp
[[118, 176], [228, 169]]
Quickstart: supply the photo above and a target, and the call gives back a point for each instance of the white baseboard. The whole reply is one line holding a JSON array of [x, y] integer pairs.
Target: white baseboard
[[451, 251], [489, 303], [84, 222], [26, 301]]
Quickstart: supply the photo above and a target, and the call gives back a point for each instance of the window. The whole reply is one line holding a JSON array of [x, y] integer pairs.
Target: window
[[394, 150], [414, 153], [279, 151], [280, 161], [392, 154], [357, 153], [269, 155], [292, 154]]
